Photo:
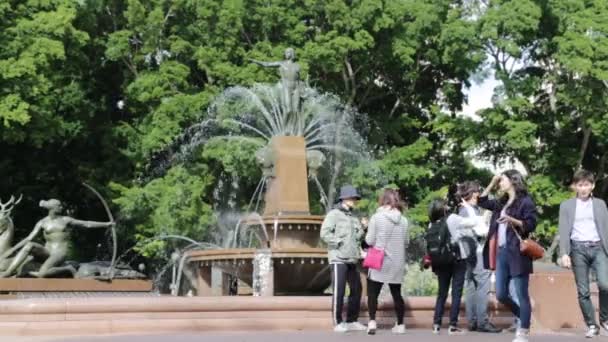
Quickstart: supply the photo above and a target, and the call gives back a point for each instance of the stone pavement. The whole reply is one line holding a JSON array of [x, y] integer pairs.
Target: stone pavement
[[306, 336]]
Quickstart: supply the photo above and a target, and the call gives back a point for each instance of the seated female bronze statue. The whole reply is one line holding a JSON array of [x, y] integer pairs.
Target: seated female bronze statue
[[55, 249]]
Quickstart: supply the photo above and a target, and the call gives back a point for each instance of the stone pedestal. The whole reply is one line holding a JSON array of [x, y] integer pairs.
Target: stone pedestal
[[288, 189], [203, 281], [554, 299], [220, 282]]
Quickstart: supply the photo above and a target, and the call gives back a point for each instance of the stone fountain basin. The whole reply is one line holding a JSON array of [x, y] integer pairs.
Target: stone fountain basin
[[289, 231], [297, 271]]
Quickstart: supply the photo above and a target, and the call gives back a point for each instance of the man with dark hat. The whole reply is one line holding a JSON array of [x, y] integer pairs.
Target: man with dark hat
[[342, 232]]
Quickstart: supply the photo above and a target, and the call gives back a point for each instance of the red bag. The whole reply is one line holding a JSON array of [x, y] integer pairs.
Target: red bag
[[493, 249]]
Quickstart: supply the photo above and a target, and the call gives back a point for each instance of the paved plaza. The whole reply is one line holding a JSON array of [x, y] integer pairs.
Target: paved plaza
[[412, 335]]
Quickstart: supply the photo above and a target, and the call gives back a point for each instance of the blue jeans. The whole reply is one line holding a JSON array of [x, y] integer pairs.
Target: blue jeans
[[513, 294], [585, 259], [522, 309]]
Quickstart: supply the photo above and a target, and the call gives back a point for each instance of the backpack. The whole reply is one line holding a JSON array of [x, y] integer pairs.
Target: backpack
[[439, 244]]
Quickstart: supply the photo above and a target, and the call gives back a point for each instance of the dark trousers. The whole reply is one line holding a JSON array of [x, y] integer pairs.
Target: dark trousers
[[522, 308], [455, 274], [341, 275], [585, 258], [373, 291]]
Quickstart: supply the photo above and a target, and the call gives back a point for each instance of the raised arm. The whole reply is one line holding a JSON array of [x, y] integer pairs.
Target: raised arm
[[463, 222], [265, 64], [484, 201], [88, 224]]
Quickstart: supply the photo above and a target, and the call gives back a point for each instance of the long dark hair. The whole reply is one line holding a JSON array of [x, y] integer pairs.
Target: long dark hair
[[437, 209], [519, 185]]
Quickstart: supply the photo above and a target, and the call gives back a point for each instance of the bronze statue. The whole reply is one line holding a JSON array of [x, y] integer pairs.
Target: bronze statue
[[7, 229], [54, 251], [290, 79]]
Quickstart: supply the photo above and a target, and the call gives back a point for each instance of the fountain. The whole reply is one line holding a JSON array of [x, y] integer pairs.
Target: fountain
[[293, 262], [293, 123]]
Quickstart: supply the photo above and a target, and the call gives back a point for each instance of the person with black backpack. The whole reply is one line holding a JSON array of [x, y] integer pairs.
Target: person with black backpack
[[448, 260]]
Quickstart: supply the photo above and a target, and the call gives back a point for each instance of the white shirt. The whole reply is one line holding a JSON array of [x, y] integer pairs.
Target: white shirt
[[584, 228], [460, 227], [502, 230]]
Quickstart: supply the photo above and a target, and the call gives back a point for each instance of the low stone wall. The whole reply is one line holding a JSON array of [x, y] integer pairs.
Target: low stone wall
[[172, 314]]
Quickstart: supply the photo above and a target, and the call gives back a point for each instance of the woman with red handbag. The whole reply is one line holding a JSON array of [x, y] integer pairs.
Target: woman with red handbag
[[388, 239], [513, 219]]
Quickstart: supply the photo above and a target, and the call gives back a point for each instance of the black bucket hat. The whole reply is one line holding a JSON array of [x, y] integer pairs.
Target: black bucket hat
[[349, 191]]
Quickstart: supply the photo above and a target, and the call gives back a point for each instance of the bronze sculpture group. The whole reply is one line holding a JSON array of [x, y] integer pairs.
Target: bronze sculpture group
[[51, 254]]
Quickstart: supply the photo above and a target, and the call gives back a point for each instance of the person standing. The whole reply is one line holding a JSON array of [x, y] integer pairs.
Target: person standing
[[477, 277], [452, 228], [513, 215], [342, 232], [583, 232], [387, 230]]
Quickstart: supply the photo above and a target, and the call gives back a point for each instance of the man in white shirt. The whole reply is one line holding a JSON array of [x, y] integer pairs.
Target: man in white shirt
[[583, 230]]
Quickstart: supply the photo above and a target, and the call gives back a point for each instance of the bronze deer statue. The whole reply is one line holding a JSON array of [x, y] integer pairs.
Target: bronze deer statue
[[7, 228]]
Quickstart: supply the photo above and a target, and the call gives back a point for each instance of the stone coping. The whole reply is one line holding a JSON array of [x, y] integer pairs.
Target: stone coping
[[65, 316], [249, 253], [195, 304], [282, 219]]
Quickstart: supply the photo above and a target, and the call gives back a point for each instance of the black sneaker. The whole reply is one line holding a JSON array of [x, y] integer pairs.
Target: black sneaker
[[489, 328], [592, 331], [473, 327], [452, 330]]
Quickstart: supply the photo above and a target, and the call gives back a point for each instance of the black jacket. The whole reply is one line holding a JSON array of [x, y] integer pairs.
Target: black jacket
[[522, 209]]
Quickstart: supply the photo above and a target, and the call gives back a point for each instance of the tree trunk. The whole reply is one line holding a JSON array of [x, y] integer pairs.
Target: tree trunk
[[551, 250], [584, 145]]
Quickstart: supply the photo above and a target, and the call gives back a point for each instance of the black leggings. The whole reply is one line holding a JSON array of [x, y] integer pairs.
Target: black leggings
[[373, 291]]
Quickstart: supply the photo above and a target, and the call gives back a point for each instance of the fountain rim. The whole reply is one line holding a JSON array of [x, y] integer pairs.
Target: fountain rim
[[249, 253], [281, 219]]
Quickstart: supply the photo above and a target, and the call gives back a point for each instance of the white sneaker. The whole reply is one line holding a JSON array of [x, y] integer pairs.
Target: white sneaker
[[398, 329], [371, 327], [355, 326], [521, 335], [436, 328], [592, 331], [341, 328]]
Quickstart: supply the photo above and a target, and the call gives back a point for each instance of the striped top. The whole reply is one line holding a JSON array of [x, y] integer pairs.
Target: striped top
[[388, 230]]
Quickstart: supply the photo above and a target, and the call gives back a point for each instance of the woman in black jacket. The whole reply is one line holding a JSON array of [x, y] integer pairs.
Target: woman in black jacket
[[514, 213]]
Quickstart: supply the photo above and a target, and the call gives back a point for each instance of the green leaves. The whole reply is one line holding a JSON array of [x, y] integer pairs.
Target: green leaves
[[13, 110], [173, 204]]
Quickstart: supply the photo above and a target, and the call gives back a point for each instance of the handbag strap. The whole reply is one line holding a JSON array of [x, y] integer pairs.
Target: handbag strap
[[516, 233]]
